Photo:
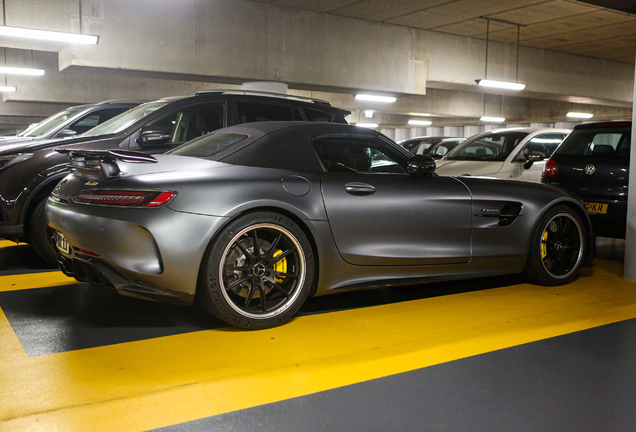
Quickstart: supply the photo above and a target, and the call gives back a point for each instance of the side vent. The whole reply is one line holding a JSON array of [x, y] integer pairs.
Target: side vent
[[495, 213], [509, 212]]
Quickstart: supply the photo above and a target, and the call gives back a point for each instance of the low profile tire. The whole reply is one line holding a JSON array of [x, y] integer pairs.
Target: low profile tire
[[38, 233], [258, 272], [557, 248]]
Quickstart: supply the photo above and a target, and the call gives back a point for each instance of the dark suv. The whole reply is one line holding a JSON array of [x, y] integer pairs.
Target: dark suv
[[71, 121], [29, 172], [593, 162]]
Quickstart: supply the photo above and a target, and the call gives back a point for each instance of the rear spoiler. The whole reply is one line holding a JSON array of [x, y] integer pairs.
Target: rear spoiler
[[92, 162]]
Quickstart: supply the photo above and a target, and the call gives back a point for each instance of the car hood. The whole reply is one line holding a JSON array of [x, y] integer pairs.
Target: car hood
[[447, 167], [14, 140], [31, 146]]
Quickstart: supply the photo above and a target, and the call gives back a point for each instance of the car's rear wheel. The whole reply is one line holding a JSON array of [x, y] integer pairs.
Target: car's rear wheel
[[258, 272], [558, 247]]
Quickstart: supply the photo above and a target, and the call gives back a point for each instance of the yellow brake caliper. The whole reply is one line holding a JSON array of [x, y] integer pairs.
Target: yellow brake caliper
[[280, 266], [544, 244]]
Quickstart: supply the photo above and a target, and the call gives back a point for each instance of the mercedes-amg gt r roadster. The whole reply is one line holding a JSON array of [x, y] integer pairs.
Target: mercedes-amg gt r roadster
[[253, 219]]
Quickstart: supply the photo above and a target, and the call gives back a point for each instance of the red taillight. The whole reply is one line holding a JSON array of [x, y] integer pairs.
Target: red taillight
[[124, 198], [550, 169], [87, 252]]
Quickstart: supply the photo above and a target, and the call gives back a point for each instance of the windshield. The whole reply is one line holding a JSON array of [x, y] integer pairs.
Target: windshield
[[495, 146], [47, 124], [423, 146], [122, 121], [208, 145]]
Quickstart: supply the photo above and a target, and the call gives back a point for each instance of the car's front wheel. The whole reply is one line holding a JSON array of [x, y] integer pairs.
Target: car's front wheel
[[557, 247], [258, 272]]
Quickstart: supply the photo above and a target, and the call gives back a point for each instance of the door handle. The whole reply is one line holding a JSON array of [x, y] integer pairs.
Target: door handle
[[355, 188]]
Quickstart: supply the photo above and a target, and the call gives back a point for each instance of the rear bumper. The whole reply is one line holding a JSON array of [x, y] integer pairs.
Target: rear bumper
[[155, 250], [613, 223], [87, 269]]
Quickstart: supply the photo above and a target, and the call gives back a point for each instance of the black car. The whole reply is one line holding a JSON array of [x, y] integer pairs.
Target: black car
[[72, 121], [593, 162], [29, 172], [434, 146]]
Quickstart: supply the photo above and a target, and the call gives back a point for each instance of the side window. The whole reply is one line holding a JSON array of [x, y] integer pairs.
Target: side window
[[85, 124], [255, 111], [192, 121], [355, 155], [544, 144], [95, 118], [442, 149], [315, 115]]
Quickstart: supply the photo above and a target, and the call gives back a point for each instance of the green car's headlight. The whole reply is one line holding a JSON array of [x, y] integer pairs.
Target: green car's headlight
[[7, 161]]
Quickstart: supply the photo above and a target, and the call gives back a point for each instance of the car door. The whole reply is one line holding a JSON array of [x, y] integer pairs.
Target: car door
[[380, 215]]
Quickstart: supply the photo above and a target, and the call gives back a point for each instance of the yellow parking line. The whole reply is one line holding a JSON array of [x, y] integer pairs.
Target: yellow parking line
[[34, 280], [164, 381], [7, 243]]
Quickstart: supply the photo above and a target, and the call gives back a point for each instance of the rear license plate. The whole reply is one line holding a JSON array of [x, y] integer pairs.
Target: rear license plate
[[61, 243], [597, 208]]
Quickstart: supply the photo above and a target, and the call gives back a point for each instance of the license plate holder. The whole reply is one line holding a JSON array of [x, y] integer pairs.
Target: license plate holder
[[61, 242], [596, 208]]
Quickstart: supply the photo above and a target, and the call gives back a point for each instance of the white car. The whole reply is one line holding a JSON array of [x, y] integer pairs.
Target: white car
[[516, 153]]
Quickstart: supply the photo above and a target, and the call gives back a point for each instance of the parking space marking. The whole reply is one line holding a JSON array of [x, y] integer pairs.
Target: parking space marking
[[164, 381], [34, 280]]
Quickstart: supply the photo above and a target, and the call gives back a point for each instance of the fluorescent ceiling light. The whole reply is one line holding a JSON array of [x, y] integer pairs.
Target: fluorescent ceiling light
[[26, 33], [20, 71], [368, 113], [367, 125], [7, 89], [500, 84], [420, 114], [493, 119], [375, 98], [420, 122], [580, 115]]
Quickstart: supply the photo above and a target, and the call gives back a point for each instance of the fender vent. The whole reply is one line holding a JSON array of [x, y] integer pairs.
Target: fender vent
[[509, 212]]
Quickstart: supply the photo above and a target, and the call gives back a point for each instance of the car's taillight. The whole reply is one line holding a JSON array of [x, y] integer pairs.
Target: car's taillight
[[124, 198], [550, 169]]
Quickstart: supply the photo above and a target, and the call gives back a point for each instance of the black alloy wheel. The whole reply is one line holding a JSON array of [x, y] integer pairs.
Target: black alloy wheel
[[558, 247], [259, 271]]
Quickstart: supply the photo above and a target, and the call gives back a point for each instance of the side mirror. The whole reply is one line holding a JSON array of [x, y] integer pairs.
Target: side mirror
[[436, 156], [66, 133], [532, 158], [421, 165], [153, 136]]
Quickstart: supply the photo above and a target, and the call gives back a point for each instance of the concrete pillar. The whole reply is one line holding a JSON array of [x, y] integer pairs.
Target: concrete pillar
[[418, 132], [629, 270], [435, 131], [472, 130], [402, 134], [454, 131], [389, 133]]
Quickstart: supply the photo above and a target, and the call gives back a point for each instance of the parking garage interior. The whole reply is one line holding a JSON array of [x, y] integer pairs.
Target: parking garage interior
[[492, 353]]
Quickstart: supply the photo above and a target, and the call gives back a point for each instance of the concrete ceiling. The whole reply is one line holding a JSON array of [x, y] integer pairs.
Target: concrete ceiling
[[600, 29]]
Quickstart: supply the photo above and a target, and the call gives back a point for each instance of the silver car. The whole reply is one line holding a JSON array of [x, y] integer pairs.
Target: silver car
[[253, 219]]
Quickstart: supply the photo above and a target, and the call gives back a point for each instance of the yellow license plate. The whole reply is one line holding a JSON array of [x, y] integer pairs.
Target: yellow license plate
[[597, 208]]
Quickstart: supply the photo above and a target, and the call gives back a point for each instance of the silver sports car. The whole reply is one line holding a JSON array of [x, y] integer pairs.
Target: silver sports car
[[254, 218]]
